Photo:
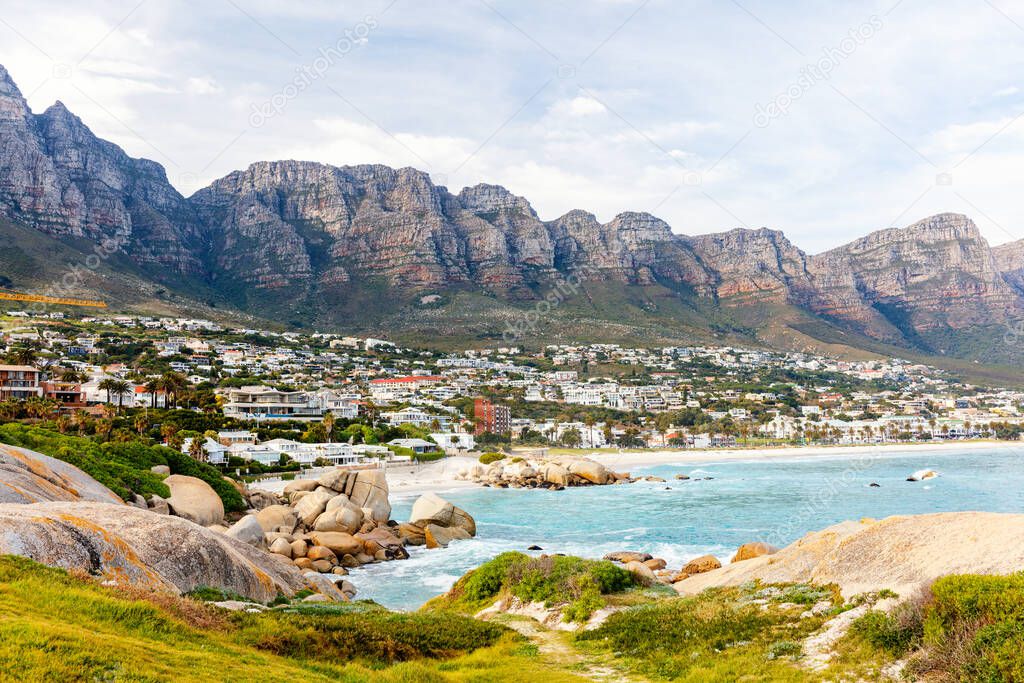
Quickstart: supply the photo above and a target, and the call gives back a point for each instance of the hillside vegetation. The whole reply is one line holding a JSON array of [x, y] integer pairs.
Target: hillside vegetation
[[58, 627]]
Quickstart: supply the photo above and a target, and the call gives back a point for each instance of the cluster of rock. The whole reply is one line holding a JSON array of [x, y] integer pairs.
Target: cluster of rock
[[549, 473], [650, 570], [342, 520], [58, 515]]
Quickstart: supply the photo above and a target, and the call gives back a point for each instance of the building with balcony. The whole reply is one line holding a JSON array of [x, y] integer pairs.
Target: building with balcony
[[19, 382]]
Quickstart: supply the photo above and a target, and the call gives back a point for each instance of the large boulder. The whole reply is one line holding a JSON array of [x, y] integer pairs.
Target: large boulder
[[312, 506], [340, 542], [899, 553], [195, 500], [299, 485], [555, 474], [277, 516], [30, 477], [248, 530], [334, 479], [431, 508], [642, 572], [347, 518], [370, 491], [699, 565], [439, 537], [593, 472], [749, 551], [124, 544], [627, 556]]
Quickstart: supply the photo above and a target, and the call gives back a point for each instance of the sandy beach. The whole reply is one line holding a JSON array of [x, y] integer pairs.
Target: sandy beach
[[438, 477], [650, 458]]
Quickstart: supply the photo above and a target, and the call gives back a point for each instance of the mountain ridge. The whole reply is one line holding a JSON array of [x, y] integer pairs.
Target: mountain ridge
[[371, 246]]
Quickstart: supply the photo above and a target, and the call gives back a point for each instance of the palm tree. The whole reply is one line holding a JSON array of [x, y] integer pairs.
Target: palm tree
[[174, 383], [9, 410], [328, 423], [152, 387], [167, 431], [141, 423], [120, 388], [589, 421], [196, 450], [104, 427], [81, 418], [107, 384], [72, 376], [63, 424], [27, 353]]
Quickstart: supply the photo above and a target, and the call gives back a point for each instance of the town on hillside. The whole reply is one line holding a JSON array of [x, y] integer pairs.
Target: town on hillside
[[259, 401]]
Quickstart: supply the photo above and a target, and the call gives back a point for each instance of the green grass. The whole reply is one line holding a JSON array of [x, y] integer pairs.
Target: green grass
[[719, 635], [580, 585], [59, 627]]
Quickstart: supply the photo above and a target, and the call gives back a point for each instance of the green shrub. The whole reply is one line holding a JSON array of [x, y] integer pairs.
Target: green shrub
[[886, 632], [345, 633], [549, 579], [488, 458]]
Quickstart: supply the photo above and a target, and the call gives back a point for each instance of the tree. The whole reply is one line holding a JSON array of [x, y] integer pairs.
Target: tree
[[10, 409], [107, 384], [174, 383], [25, 353], [141, 423], [153, 386], [572, 438], [120, 388], [167, 432], [196, 450], [104, 426], [81, 419], [63, 424], [328, 424]]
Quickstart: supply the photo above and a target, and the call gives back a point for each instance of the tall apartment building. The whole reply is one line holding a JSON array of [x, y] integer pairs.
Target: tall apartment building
[[490, 417]]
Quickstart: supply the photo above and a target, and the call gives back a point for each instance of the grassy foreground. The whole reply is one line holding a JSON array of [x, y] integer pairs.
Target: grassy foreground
[[59, 627], [56, 626]]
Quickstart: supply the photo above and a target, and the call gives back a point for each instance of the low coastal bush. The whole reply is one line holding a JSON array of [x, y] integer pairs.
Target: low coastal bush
[[720, 634], [553, 580], [63, 627], [488, 458], [370, 634], [123, 467]]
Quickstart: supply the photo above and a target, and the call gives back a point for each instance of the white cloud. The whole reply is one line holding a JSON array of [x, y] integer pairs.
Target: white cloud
[[578, 106], [203, 85], [456, 91]]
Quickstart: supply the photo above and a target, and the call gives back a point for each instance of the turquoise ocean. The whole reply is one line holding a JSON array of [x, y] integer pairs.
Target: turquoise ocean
[[723, 505]]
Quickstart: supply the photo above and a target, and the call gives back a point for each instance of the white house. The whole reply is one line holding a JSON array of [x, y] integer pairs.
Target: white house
[[454, 442], [216, 454]]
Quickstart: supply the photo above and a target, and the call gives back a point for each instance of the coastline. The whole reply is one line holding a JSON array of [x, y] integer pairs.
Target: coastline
[[439, 476], [682, 457]]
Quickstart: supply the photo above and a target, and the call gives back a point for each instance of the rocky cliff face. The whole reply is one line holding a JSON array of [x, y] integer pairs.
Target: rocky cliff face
[[293, 231], [937, 272], [55, 175], [755, 265], [1009, 259]]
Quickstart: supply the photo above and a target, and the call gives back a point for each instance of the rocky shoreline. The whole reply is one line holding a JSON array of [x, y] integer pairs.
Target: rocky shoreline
[[304, 540], [548, 473]]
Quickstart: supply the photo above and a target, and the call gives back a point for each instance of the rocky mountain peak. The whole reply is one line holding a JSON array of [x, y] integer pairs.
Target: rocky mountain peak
[[484, 198]]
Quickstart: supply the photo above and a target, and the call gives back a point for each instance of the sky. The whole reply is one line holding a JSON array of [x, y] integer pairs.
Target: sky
[[825, 120]]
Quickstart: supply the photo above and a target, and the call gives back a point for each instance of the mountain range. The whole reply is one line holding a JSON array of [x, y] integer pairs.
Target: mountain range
[[376, 249]]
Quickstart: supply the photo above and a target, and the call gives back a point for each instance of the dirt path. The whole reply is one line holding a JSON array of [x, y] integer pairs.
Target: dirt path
[[556, 650]]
